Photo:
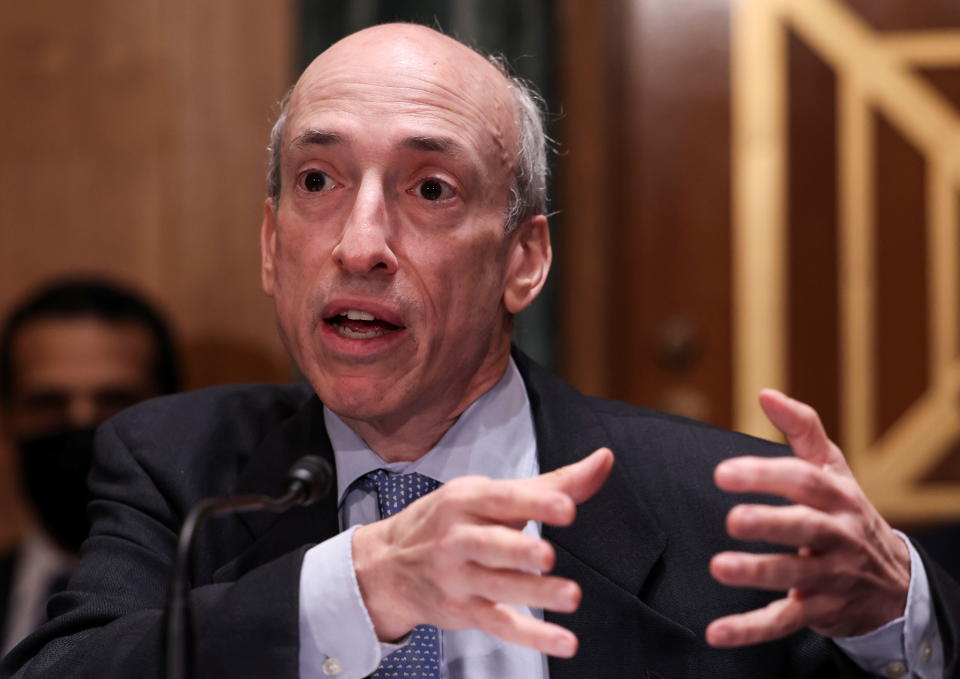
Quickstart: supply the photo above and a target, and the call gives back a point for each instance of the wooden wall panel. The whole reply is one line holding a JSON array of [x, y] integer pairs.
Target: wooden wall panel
[[645, 198], [589, 59], [79, 173], [674, 262], [133, 137], [902, 334], [814, 323]]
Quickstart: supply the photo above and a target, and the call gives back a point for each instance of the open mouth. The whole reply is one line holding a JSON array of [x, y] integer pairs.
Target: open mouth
[[355, 324]]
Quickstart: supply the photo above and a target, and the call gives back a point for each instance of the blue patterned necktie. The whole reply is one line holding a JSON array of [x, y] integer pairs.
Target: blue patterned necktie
[[420, 658]]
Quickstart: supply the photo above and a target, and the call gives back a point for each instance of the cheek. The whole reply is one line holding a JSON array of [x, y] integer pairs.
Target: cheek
[[465, 282], [301, 249], [292, 289], [288, 275]]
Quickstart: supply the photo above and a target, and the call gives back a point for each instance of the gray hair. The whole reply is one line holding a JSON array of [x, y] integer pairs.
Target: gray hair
[[528, 193], [276, 142]]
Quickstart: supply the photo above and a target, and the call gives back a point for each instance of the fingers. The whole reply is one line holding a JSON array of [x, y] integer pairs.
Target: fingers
[[793, 526], [457, 557], [550, 498], [508, 624], [778, 572], [582, 479], [502, 547], [802, 427], [846, 577], [522, 589], [513, 501], [788, 477], [777, 619]]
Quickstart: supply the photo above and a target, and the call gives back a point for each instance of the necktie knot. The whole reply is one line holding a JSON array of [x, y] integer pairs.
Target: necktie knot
[[396, 491]]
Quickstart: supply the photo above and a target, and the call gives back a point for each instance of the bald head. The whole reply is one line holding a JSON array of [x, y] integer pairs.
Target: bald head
[[415, 69], [409, 58]]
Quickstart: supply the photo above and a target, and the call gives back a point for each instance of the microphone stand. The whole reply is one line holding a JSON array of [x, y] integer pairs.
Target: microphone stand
[[310, 479]]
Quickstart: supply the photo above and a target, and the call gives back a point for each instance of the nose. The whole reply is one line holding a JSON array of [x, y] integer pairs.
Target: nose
[[82, 412], [364, 245]]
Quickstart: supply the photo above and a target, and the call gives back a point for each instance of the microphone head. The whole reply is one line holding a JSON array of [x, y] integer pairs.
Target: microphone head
[[315, 477]]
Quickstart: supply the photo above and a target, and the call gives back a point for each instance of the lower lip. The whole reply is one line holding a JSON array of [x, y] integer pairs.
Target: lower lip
[[359, 347]]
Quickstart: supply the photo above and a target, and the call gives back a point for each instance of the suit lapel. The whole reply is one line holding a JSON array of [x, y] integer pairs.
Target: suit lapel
[[266, 473], [611, 549], [615, 533]]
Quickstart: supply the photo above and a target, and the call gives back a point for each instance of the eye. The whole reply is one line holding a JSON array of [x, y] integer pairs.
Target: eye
[[315, 181], [46, 401], [434, 189]]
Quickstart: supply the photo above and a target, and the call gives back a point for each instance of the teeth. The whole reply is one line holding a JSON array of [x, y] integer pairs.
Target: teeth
[[355, 315], [353, 334]]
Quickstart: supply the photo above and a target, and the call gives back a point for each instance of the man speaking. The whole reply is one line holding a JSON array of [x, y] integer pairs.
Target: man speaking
[[481, 525]]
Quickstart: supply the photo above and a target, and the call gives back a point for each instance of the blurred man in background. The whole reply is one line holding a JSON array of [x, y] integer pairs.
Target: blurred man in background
[[72, 354]]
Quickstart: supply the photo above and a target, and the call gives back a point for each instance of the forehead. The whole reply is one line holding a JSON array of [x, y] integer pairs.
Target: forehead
[[80, 352], [406, 81]]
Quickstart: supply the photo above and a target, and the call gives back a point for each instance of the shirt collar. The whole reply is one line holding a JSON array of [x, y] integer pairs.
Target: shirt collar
[[493, 437]]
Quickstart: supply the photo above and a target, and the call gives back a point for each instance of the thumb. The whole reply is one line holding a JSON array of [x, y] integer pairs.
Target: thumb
[[582, 479]]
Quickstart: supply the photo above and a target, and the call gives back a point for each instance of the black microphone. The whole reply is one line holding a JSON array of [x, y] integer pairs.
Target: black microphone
[[310, 479]]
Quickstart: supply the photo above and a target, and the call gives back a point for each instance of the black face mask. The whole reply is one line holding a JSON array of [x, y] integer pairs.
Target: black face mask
[[53, 471]]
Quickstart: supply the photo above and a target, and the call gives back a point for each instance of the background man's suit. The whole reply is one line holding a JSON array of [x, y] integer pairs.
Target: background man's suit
[[639, 548]]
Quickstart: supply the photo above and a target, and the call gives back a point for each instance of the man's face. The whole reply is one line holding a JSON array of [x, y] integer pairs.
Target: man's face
[[76, 373], [387, 256]]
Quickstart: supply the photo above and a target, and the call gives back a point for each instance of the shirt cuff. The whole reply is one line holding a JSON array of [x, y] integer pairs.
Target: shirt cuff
[[337, 638], [911, 644]]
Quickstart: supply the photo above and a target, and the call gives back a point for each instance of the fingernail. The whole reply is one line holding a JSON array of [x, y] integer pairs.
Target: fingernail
[[720, 635], [729, 475], [566, 598], [546, 558], [564, 646], [725, 469], [730, 466], [733, 566]]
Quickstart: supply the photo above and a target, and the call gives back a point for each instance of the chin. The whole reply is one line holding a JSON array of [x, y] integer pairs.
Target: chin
[[358, 398]]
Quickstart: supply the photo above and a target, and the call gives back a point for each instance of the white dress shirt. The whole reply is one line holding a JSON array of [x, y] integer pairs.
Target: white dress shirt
[[39, 563]]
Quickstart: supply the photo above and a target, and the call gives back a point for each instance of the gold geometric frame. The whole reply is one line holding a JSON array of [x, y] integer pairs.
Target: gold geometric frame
[[873, 72]]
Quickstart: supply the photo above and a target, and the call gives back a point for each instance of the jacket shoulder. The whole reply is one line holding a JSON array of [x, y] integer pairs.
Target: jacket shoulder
[[670, 459], [236, 408], [638, 431], [677, 435], [197, 442]]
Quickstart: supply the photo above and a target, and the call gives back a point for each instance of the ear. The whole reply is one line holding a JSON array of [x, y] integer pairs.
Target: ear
[[268, 247], [529, 262]]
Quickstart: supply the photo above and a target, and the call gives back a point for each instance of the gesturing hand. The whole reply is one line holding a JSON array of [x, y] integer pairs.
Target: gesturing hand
[[850, 573], [457, 558]]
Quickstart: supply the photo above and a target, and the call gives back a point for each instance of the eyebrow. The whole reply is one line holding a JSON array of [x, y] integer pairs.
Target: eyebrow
[[444, 145], [317, 137], [429, 144]]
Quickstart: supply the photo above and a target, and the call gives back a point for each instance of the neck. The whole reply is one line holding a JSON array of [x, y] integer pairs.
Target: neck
[[409, 436]]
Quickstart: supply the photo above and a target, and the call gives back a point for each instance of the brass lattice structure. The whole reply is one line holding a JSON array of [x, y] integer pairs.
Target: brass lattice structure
[[873, 73]]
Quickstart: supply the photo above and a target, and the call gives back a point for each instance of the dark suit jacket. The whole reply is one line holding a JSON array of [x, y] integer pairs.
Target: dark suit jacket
[[639, 548]]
